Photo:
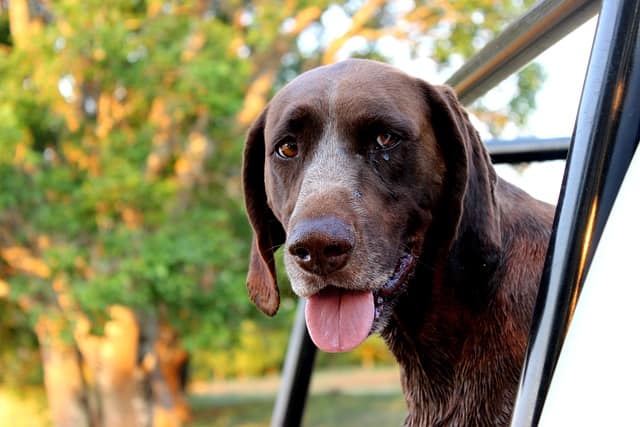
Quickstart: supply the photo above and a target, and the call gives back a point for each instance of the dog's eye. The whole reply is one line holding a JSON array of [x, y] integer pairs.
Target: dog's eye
[[386, 140], [287, 149]]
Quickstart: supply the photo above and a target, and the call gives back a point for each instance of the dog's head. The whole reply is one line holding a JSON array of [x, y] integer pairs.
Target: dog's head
[[350, 166]]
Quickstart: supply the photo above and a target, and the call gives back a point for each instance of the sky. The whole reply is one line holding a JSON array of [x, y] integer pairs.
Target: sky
[[565, 65]]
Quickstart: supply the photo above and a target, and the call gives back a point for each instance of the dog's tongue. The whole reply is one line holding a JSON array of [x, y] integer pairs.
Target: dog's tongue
[[339, 319]]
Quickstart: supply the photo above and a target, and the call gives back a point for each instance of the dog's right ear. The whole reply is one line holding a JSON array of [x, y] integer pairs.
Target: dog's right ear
[[268, 233], [469, 214]]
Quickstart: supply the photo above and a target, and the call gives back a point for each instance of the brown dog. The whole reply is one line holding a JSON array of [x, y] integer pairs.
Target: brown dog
[[395, 222]]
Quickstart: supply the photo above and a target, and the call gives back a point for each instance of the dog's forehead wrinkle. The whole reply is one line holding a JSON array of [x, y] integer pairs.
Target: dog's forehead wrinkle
[[350, 86]]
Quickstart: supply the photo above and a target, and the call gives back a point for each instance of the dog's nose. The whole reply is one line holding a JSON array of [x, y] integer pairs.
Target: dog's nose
[[321, 245]]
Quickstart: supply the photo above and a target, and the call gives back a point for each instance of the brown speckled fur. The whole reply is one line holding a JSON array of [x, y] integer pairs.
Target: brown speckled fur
[[459, 327]]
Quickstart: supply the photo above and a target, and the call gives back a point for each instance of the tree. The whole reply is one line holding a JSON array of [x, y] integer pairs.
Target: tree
[[123, 244]]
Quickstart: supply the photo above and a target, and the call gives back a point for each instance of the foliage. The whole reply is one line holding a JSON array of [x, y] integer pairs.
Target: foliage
[[19, 364], [121, 133], [259, 351]]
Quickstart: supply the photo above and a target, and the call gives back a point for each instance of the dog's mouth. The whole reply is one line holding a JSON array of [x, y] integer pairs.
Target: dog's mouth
[[385, 297], [340, 319]]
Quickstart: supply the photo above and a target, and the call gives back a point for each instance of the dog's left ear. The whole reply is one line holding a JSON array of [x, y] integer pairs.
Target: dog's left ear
[[268, 233], [470, 210]]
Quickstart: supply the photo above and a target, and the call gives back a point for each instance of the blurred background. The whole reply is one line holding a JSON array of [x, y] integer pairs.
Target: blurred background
[[123, 242]]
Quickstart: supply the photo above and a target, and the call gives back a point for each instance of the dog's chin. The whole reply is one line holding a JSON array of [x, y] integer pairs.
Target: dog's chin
[[385, 297]]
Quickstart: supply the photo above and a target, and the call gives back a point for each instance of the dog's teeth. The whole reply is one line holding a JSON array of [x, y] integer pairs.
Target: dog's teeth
[[380, 300]]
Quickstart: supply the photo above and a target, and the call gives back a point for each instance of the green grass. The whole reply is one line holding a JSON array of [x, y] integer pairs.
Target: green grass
[[347, 410], [342, 399], [230, 411], [323, 410]]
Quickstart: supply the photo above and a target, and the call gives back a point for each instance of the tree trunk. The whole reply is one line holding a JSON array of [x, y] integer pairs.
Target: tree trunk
[[120, 380], [169, 379], [63, 380], [132, 376], [19, 22]]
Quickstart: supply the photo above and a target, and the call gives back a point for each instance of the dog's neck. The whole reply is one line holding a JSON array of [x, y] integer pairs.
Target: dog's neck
[[444, 335]]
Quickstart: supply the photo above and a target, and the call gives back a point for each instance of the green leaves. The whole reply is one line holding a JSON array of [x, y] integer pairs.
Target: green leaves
[[530, 80]]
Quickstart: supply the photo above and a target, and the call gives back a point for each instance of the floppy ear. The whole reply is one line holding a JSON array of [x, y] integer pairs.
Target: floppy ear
[[268, 233], [470, 213]]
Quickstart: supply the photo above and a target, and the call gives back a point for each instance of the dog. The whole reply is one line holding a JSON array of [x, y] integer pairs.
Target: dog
[[394, 221]]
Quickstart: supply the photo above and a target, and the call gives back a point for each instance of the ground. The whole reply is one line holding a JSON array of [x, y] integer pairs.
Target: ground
[[345, 397]]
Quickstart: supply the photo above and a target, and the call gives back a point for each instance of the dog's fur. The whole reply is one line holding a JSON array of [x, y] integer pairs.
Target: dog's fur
[[458, 326]]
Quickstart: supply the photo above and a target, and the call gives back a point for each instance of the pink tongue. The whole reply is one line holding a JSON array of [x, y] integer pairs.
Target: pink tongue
[[339, 319]]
